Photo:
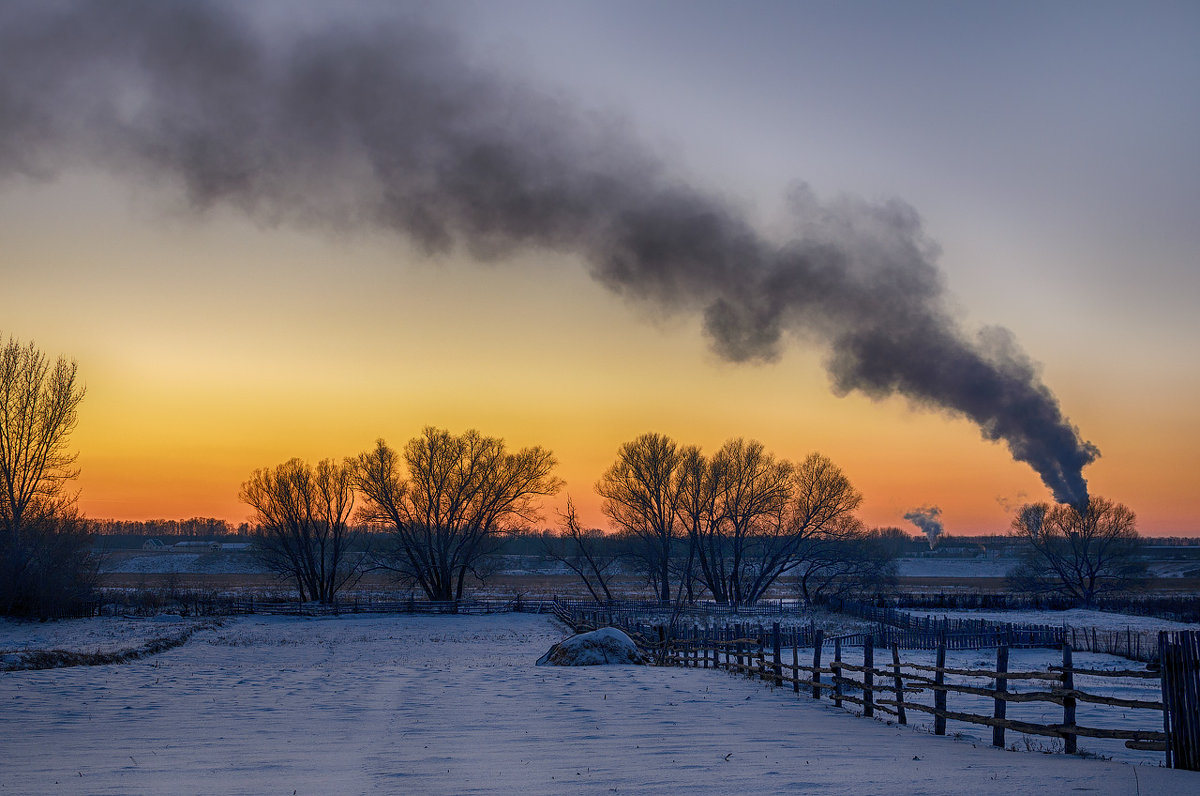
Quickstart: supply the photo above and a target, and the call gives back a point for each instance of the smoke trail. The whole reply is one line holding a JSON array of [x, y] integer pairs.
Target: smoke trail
[[363, 125], [926, 518]]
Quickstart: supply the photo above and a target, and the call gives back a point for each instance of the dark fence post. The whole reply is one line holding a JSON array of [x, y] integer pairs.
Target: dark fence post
[[898, 681], [1001, 705], [939, 694], [796, 661], [1070, 740], [869, 676], [818, 640], [776, 663], [837, 672]]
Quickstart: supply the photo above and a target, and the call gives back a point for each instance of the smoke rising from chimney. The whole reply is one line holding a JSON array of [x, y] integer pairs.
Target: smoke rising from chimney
[[360, 125], [926, 519]]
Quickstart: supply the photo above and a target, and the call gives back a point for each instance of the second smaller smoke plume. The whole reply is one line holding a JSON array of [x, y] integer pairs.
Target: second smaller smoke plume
[[926, 518]]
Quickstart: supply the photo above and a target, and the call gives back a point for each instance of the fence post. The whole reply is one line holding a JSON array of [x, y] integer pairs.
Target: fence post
[[776, 664], [796, 661], [939, 694], [1001, 705], [898, 681], [741, 634], [1070, 741], [1163, 654], [837, 672], [869, 676], [818, 640]]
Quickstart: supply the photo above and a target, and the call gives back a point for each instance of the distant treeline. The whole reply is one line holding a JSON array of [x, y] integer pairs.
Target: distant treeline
[[196, 526], [527, 542]]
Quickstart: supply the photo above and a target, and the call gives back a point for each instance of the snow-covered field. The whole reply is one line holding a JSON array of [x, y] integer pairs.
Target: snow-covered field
[[454, 704], [99, 634]]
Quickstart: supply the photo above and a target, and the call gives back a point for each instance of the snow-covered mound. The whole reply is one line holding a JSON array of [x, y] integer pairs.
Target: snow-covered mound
[[606, 645]]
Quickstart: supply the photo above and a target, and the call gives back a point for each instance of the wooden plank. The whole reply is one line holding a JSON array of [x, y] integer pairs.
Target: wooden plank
[[1049, 675], [899, 683], [818, 641], [837, 672], [775, 649], [868, 677], [1056, 730], [1145, 674], [939, 696], [796, 663]]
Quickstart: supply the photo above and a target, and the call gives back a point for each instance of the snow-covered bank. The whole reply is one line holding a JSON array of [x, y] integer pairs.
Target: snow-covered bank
[[454, 704], [98, 634]]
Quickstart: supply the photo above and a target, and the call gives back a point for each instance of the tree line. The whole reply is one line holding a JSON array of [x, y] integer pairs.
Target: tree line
[[724, 526]]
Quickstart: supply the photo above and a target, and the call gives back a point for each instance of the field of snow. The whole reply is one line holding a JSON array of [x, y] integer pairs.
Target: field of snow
[[99, 634], [454, 704], [206, 563]]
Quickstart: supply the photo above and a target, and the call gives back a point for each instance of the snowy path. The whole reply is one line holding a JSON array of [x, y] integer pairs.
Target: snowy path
[[453, 705]]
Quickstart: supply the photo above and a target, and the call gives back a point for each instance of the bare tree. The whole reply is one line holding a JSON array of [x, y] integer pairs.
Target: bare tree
[[1082, 553], [446, 514], [752, 518], [303, 532], [640, 497], [44, 557], [846, 559], [583, 551]]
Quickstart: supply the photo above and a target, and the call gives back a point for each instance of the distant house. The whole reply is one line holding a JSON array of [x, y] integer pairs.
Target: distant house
[[153, 544]]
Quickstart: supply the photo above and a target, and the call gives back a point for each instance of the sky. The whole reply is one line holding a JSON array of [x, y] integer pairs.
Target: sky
[[278, 233]]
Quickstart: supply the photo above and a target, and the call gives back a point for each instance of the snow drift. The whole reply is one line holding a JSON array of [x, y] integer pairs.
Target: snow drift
[[606, 645]]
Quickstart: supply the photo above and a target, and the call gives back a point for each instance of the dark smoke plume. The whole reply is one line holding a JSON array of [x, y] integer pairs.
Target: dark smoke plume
[[361, 125], [926, 519]]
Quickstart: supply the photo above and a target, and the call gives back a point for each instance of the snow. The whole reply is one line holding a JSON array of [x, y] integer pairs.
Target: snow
[[606, 646], [99, 634], [454, 704], [206, 563]]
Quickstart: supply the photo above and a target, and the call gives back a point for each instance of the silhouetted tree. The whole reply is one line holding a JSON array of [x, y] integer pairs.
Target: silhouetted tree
[[847, 559], [751, 517], [446, 513], [45, 562], [1081, 553], [586, 552], [303, 531], [640, 494]]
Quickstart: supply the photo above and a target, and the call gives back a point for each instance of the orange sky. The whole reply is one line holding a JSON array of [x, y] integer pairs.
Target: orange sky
[[212, 345], [189, 389]]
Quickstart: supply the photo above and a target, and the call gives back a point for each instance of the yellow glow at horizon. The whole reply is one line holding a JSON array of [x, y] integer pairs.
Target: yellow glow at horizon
[[212, 347]]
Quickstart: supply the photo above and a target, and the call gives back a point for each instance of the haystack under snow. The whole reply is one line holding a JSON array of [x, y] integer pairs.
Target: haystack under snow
[[604, 646]]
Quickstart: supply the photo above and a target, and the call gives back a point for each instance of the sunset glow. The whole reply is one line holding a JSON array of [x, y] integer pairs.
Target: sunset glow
[[213, 342]]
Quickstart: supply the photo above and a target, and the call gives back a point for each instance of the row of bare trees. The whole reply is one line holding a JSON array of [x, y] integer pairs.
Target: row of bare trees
[[444, 501], [744, 517]]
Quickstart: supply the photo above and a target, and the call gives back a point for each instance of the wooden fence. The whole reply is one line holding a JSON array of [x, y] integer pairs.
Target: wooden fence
[[1180, 666], [887, 686], [1137, 645]]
